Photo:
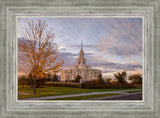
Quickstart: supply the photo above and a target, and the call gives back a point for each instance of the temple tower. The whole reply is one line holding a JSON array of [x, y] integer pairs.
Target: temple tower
[[81, 61]]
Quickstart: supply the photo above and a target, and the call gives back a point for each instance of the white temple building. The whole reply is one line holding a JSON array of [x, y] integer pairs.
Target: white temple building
[[85, 71]]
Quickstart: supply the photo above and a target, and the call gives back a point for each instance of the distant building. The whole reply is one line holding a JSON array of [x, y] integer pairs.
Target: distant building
[[85, 71]]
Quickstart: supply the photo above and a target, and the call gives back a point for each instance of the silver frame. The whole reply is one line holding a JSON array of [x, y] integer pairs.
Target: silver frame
[[147, 108]]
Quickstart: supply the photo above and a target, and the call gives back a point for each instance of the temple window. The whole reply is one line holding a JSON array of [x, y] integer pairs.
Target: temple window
[[94, 74]]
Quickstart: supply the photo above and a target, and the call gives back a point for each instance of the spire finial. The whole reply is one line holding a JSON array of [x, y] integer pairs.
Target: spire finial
[[81, 44]]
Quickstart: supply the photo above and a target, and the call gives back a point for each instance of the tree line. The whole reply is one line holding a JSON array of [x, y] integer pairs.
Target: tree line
[[120, 81], [119, 78], [23, 80]]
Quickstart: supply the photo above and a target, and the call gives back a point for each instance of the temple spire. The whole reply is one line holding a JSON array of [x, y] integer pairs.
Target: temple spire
[[81, 45], [81, 52]]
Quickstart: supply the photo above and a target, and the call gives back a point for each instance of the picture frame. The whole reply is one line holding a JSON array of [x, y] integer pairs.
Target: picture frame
[[11, 107]]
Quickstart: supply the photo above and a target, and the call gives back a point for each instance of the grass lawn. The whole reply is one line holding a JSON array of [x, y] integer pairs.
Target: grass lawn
[[134, 91], [86, 97], [54, 91]]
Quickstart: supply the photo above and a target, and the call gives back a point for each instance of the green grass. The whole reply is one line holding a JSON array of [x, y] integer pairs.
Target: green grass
[[55, 91], [134, 91], [86, 97]]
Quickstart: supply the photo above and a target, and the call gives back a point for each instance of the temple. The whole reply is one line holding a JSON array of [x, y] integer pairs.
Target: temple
[[82, 69]]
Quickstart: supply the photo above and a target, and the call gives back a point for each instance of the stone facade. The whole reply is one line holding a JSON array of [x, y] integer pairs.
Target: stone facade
[[85, 71]]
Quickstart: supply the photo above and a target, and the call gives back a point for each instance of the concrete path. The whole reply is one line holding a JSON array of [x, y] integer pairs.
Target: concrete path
[[75, 95], [131, 96]]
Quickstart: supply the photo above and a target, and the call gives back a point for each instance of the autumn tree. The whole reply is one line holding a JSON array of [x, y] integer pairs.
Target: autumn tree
[[37, 49]]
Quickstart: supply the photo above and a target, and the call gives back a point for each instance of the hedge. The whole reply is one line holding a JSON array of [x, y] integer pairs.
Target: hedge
[[63, 84], [88, 85], [92, 86]]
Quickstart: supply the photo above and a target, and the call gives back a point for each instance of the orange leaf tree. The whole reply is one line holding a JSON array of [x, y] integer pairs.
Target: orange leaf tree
[[37, 49]]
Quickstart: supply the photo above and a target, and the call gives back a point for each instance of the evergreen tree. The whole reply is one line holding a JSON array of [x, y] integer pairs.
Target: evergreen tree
[[100, 79], [55, 77], [77, 79]]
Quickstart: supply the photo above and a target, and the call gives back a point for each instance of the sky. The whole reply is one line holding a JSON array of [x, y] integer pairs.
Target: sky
[[110, 44]]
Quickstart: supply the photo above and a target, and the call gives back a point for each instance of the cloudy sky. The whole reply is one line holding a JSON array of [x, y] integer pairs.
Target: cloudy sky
[[110, 44]]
